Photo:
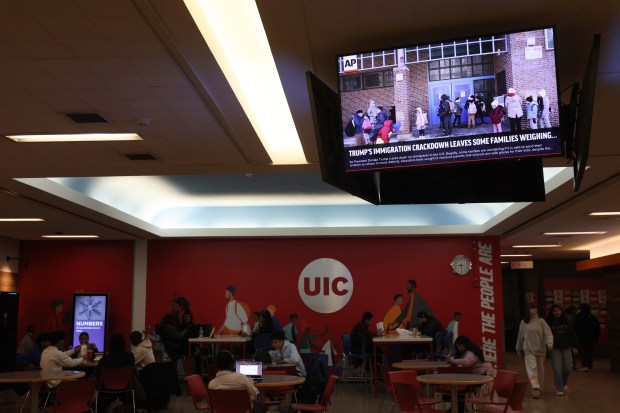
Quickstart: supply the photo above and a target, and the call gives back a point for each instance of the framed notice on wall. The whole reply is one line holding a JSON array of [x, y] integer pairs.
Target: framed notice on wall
[[90, 315]]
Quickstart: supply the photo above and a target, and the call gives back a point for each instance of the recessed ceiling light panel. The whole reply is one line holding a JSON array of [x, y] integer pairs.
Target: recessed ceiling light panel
[[76, 137], [21, 219]]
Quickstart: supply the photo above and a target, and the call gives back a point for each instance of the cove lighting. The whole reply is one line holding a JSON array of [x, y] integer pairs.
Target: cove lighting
[[21, 219], [235, 35], [537, 246], [576, 233], [77, 137], [69, 236], [515, 255], [596, 214]]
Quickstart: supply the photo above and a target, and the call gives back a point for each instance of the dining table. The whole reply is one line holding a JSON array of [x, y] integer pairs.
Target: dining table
[[219, 339], [454, 380], [35, 377]]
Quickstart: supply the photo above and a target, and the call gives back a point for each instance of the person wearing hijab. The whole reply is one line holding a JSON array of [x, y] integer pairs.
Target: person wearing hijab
[[496, 115]]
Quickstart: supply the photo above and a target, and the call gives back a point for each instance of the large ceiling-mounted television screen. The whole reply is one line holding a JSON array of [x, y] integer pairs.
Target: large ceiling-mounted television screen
[[475, 99]]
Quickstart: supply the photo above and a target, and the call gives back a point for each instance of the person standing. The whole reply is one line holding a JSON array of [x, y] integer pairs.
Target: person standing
[[446, 114], [564, 344], [588, 330], [471, 109], [421, 120], [544, 109], [372, 112], [514, 110], [496, 114], [481, 108], [453, 325], [532, 111], [534, 340], [458, 111], [358, 120]]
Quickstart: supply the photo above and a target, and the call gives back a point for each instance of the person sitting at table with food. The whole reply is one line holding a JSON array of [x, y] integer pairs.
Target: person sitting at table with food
[[227, 379], [470, 355], [285, 352], [361, 336], [84, 338], [53, 359], [32, 357], [142, 349]]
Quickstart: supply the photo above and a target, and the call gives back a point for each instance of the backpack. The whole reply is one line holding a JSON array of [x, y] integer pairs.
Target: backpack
[[349, 129], [472, 109], [452, 107], [441, 110], [366, 125]]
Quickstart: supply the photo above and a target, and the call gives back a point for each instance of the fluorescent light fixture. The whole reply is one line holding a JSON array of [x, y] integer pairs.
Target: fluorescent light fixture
[[69, 236], [21, 219], [537, 246], [77, 137], [576, 233], [504, 262], [515, 255], [597, 214], [235, 35]]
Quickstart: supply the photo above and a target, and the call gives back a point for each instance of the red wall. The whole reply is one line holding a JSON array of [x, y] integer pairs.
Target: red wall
[[266, 271], [58, 269]]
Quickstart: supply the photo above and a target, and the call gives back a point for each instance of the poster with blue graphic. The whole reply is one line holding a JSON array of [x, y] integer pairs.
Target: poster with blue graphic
[[90, 316]]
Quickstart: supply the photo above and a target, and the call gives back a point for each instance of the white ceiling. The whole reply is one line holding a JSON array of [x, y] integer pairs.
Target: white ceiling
[[143, 65]]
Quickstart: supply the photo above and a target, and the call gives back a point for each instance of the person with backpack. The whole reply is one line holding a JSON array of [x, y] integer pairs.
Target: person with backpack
[[445, 114], [421, 120], [236, 316], [514, 110], [381, 118], [358, 121], [532, 111], [480, 109], [458, 111], [545, 110], [471, 109], [496, 114]]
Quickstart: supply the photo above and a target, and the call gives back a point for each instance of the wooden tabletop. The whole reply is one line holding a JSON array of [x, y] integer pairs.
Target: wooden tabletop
[[36, 376], [397, 338], [220, 339], [420, 365], [276, 366], [280, 381], [454, 378]]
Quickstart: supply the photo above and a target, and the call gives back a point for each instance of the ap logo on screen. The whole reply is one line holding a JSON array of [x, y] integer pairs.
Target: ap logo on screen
[[325, 285]]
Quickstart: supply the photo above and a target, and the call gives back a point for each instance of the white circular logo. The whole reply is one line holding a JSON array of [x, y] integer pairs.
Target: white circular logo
[[325, 285]]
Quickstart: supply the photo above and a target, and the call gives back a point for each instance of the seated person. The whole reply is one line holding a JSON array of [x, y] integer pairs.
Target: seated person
[[142, 349], [53, 359], [285, 352], [84, 340], [117, 356], [428, 325], [361, 336], [470, 355], [32, 357], [226, 377]]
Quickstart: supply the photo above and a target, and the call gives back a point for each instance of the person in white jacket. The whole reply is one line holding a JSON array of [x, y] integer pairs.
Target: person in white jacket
[[534, 341], [53, 359], [142, 349], [544, 109], [514, 110]]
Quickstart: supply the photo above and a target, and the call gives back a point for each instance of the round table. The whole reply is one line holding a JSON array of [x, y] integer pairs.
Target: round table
[[34, 377], [454, 380], [279, 380], [420, 365]]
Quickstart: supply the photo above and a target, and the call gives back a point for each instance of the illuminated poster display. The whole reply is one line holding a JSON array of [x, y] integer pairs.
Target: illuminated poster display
[[90, 315]]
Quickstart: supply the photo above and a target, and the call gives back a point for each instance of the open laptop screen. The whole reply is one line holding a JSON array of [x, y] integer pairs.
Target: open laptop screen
[[251, 369]]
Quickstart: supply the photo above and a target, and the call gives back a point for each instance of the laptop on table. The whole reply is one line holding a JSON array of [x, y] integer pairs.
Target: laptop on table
[[250, 369]]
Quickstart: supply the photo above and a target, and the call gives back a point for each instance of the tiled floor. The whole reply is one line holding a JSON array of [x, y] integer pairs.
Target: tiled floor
[[594, 391]]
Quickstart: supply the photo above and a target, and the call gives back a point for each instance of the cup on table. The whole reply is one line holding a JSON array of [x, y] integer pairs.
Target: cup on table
[[89, 355], [83, 351]]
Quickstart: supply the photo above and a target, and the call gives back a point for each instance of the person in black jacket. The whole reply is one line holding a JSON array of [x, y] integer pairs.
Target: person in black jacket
[[428, 325], [564, 343], [588, 330]]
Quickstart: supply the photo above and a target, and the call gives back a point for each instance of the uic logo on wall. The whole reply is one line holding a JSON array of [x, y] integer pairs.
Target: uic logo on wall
[[325, 285]]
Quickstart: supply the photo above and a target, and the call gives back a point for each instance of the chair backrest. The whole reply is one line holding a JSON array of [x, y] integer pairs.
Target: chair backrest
[[197, 388], [385, 370], [406, 376], [346, 343], [326, 400], [230, 401], [74, 396], [448, 340], [407, 398], [504, 383], [516, 398], [115, 378]]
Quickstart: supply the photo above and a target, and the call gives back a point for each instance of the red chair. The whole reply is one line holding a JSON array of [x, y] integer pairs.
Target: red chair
[[116, 380], [503, 386], [410, 377], [73, 396], [387, 384], [408, 398], [515, 402], [325, 402], [230, 401], [197, 389]]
